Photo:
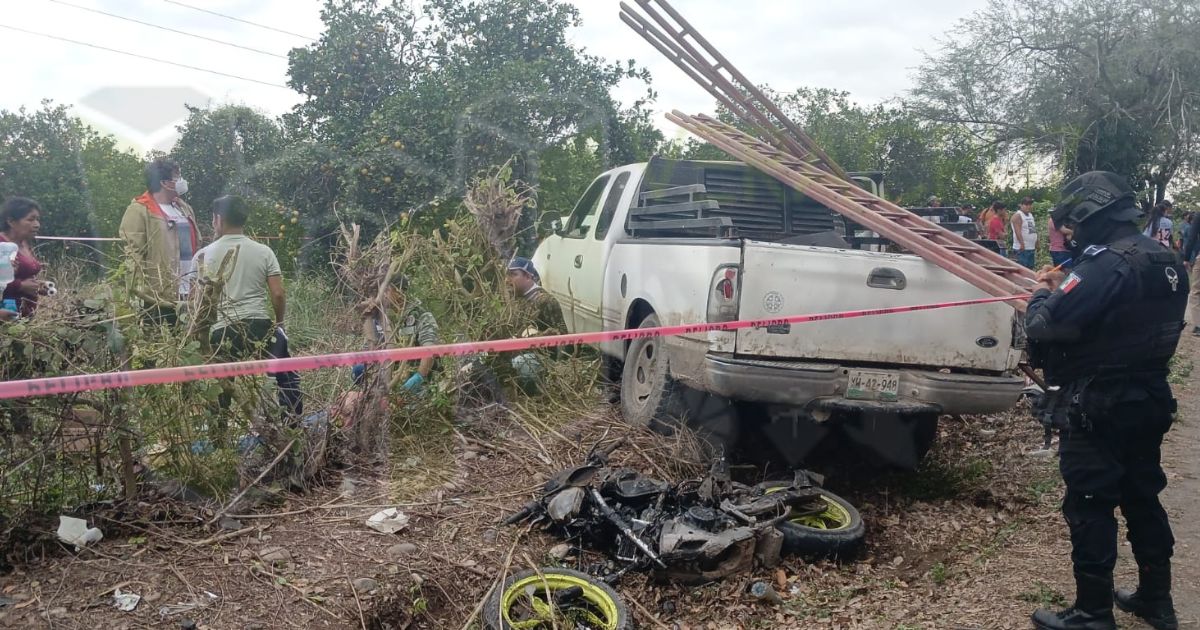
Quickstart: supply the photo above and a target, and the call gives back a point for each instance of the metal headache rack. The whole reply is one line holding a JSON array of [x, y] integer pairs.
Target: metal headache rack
[[727, 199]]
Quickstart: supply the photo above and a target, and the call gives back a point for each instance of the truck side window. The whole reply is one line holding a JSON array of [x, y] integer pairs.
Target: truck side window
[[610, 205], [577, 224]]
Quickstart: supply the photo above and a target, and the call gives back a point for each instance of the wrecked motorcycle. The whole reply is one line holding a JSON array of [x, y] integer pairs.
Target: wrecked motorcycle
[[695, 531]]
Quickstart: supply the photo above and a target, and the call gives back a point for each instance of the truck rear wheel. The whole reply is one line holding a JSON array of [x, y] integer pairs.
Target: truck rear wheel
[[651, 398], [648, 393]]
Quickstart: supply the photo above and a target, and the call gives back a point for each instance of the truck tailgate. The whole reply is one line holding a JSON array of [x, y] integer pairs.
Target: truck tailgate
[[781, 280]]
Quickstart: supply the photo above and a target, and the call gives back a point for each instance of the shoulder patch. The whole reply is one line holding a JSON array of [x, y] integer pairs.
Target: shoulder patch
[[1070, 283], [1092, 250]]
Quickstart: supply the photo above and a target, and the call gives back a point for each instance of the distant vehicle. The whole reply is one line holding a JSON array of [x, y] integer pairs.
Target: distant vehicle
[[676, 242]]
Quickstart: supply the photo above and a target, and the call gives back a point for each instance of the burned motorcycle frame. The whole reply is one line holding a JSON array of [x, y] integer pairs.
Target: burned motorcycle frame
[[691, 532]]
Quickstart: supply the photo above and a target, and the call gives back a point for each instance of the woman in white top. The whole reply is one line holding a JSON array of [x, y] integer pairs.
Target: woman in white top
[[1160, 227]]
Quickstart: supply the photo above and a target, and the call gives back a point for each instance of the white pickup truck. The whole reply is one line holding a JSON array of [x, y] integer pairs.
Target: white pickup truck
[[678, 242]]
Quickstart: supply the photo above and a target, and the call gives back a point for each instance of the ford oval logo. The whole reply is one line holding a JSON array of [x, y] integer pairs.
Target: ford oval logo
[[987, 342]]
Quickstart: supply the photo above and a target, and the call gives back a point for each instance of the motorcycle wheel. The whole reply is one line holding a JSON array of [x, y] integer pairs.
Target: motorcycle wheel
[[525, 601]]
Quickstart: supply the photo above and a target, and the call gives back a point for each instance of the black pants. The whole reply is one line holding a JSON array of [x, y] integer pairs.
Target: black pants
[[1117, 464], [241, 340]]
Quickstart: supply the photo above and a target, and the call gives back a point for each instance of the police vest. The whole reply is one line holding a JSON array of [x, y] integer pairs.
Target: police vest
[[1138, 335]]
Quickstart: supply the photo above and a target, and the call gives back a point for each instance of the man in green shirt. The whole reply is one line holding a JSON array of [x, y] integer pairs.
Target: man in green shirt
[[243, 322]]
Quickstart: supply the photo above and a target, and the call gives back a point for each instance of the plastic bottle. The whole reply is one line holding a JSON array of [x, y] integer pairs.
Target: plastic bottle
[[8, 256]]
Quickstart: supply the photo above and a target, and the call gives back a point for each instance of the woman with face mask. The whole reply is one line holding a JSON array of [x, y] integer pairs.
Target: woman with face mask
[[20, 220], [159, 231]]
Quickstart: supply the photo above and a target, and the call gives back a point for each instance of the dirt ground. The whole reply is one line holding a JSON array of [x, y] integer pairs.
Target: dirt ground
[[972, 540]]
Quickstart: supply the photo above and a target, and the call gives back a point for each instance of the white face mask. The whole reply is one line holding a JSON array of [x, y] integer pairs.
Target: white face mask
[[181, 187]]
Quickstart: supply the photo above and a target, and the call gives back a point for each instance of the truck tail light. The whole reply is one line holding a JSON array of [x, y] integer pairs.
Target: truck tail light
[[723, 294]]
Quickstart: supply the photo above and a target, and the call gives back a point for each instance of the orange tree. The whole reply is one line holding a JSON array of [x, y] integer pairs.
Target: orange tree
[[403, 105]]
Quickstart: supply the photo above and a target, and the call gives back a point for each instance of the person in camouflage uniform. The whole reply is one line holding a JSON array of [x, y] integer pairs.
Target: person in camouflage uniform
[[544, 318], [413, 325], [546, 315]]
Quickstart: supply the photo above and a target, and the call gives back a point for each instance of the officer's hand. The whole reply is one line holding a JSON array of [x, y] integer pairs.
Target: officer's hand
[[1050, 278], [7, 315]]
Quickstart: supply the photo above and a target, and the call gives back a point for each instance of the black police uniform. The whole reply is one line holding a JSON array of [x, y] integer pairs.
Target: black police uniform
[[1105, 337]]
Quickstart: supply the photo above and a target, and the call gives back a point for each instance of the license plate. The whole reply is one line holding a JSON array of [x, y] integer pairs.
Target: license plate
[[868, 385]]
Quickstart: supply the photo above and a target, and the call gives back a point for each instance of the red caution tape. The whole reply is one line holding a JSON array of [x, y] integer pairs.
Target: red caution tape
[[163, 376], [76, 238]]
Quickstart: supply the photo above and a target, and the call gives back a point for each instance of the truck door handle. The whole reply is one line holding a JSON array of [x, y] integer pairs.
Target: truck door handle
[[578, 261], [887, 278]]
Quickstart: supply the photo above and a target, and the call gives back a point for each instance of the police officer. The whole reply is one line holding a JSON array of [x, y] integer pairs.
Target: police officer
[[1104, 335]]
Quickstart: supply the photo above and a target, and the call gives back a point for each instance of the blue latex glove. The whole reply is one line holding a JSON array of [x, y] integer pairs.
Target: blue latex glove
[[413, 384]]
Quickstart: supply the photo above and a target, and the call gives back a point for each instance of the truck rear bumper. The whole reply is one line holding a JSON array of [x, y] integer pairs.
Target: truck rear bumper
[[812, 384]]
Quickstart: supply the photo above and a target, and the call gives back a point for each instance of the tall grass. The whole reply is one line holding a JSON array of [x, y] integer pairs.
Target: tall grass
[[181, 433]]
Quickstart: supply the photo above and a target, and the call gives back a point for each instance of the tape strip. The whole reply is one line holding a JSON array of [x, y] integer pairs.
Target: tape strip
[[163, 376], [113, 240], [74, 238]]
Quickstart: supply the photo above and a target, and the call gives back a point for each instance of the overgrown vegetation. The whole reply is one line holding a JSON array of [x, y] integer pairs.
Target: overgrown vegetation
[[65, 452]]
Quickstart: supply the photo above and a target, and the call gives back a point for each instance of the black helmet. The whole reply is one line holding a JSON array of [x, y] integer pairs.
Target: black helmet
[[1093, 192]]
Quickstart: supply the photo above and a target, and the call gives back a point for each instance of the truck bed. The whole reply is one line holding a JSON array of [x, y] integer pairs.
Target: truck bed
[[796, 280]]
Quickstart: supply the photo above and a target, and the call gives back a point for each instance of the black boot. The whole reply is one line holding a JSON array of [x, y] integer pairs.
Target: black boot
[[1152, 599], [1092, 609]]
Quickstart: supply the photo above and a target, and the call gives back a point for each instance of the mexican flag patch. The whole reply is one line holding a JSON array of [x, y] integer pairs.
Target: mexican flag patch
[[1070, 283]]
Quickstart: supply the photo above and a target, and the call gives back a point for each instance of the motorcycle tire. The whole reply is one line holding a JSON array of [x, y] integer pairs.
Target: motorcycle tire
[[838, 531], [522, 602]]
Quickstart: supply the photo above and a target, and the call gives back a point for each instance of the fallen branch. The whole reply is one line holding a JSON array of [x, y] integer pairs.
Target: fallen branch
[[649, 615], [357, 602], [279, 579], [467, 567], [498, 581], [226, 536], [287, 449]]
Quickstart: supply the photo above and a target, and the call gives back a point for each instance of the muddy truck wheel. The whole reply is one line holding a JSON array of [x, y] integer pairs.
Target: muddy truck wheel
[[651, 398], [833, 528], [555, 598]]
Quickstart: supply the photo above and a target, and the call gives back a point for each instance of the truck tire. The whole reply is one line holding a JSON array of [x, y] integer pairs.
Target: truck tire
[[836, 532], [522, 602], [648, 393], [651, 398]]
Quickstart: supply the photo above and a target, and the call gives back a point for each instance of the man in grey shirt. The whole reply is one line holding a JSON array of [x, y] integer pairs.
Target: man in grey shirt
[[243, 320]]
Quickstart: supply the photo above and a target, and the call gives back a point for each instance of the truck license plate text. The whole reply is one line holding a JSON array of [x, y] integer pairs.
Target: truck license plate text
[[868, 385]]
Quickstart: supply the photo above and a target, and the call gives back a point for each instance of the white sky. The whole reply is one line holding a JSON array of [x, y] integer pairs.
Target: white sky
[[868, 48]]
